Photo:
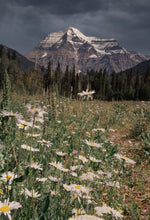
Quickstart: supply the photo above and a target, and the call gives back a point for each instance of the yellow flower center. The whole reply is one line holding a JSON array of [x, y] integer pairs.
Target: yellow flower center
[[82, 159], [4, 208], [27, 148], [21, 126], [36, 119], [76, 196], [78, 187], [44, 142], [8, 177], [125, 158], [67, 188], [92, 144], [12, 115], [78, 211]]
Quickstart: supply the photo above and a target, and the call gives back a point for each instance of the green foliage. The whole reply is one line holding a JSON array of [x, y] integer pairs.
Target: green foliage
[[138, 129], [6, 91]]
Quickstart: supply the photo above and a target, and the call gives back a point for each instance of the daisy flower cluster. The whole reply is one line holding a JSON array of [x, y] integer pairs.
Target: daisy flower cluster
[[62, 169]]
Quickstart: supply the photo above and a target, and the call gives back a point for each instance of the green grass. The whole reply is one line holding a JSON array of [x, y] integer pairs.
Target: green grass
[[67, 124]]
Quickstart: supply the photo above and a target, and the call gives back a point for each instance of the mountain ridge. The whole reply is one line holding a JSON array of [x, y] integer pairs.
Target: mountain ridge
[[71, 47]]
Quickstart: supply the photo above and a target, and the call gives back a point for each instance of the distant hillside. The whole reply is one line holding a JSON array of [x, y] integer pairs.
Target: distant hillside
[[140, 68], [24, 62]]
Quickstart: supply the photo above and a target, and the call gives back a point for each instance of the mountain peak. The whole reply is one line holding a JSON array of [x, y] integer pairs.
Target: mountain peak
[[71, 47]]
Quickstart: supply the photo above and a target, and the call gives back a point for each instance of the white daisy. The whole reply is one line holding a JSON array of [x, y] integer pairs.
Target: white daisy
[[31, 193], [54, 179], [45, 143], [108, 174], [36, 111], [100, 172], [93, 159], [83, 159], [113, 184], [112, 130], [11, 114], [25, 123], [85, 217], [59, 122], [26, 147], [36, 166], [60, 153], [38, 119], [37, 126], [78, 211], [107, 210], [6, 207], [74, 174], [8, 176], [89, 176], [53, 193], [41, 179], [59, 166], [20, 126], [93, 144], [78, 189], [86, 94], [73, 168], [33, 135], [99, 129], [127, 160]]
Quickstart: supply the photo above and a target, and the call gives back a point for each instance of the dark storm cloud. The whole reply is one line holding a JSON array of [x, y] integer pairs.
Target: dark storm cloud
[[65, 7], [23, 23]]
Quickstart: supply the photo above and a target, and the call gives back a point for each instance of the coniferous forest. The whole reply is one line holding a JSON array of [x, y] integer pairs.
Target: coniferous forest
[[127, 85]]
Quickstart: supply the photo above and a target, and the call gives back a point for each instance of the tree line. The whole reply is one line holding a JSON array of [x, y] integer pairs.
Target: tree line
[[39, 80]]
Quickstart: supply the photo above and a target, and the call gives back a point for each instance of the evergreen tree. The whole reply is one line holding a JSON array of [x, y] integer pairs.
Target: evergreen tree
[[14, 55], [48, 78], [66, 83], [1, 50], [104, 83], [57, 79], [137, 87], [73, 81], [8, 54]]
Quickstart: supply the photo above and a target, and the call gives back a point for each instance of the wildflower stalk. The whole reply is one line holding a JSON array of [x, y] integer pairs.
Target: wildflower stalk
[[6, 91]]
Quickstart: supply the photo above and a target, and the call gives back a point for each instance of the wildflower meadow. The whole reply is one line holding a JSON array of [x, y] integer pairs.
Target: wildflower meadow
[[65, 159]]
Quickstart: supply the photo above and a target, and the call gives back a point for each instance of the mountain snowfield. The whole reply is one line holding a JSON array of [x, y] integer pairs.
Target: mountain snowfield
[[71, 47]]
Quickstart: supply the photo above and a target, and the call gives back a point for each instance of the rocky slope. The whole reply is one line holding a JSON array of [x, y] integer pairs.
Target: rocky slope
[[71, 47]]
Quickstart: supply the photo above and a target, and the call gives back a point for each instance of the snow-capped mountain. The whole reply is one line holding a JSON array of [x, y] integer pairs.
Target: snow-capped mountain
[[71, 47]]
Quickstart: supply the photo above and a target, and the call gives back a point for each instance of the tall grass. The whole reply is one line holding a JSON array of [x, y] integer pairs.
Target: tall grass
[[56, 124]]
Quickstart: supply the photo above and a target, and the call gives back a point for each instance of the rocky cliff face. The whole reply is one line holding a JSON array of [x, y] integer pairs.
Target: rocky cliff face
[[71, 47]]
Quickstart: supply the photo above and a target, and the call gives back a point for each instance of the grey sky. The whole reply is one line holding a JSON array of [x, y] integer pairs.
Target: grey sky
[[24, 23]]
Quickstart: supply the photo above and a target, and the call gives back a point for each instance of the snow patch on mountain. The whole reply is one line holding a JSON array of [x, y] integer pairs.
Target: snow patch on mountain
[[44, 55], [93, 56]]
